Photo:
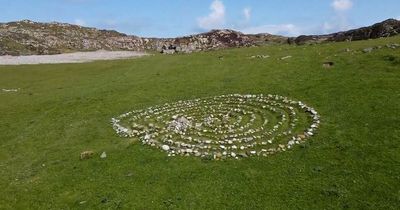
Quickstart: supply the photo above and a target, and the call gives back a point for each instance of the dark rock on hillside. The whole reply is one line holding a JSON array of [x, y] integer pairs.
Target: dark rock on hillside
[[390, 27]]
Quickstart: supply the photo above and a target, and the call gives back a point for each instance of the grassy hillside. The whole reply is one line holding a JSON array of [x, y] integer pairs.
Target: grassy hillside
[[61, 110]]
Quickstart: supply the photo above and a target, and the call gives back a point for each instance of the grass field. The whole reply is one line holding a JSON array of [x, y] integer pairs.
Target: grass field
[[61, 110]]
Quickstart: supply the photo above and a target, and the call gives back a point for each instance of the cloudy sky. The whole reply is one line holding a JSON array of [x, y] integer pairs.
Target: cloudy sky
[[171, 18]]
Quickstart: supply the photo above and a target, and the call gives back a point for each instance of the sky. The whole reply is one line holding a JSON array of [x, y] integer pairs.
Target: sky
[[172, 18]]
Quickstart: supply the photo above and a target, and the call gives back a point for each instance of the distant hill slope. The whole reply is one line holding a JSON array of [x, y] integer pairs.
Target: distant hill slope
[[386, 28], [31, 38]]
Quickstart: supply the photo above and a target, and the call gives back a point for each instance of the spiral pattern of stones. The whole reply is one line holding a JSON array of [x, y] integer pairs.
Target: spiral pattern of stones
[[227, 126]]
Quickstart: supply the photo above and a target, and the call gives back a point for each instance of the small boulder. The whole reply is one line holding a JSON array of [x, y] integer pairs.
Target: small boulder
[[218, 155], [328, 64], [243, 155], [103, 155], [393, 46], [86, 155], [368, 50]]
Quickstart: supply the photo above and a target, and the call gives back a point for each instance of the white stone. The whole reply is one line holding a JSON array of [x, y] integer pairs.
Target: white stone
[[165, 147]]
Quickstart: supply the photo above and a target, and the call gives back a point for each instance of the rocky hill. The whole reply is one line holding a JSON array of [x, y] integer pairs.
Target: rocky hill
[[28, 37], [390, 27], [215, 39], [31, 38]]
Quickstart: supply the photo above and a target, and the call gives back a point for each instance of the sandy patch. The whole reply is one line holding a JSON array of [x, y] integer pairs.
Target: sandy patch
[[78, 57]]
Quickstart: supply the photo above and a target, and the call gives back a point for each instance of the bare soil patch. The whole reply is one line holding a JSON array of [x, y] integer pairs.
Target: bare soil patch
[[78, 57]]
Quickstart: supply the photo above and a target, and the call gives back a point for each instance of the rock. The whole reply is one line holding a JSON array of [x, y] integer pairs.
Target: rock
[[129, 174], [165, 147], [286, 57], [243, 155], [260, 56], [217, 155], [328, 64], [168, 52], [86, 155], [103, 155], [368, 50], [393, 46], [179, 124], [10, 90]]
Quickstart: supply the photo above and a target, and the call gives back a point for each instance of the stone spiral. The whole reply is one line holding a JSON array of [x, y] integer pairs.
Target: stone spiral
[[227, 126]]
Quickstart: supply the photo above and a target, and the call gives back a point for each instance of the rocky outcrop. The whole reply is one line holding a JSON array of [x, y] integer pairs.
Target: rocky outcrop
[[32, 38], [390, 27], [215, 39], [28, 38]]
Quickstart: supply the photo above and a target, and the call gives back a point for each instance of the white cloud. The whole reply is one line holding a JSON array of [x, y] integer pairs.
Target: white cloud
[[79, 22], [247, 13], [339, 22], [342, 5], [216, 19], [282, 29]]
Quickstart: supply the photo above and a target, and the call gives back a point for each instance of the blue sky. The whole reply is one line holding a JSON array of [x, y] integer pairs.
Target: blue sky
[[171, 18]]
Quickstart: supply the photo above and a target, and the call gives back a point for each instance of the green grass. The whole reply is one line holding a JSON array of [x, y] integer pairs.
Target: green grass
[[61, 110]]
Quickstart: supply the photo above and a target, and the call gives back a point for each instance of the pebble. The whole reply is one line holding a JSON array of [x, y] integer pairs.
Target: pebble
[[165, 147]]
